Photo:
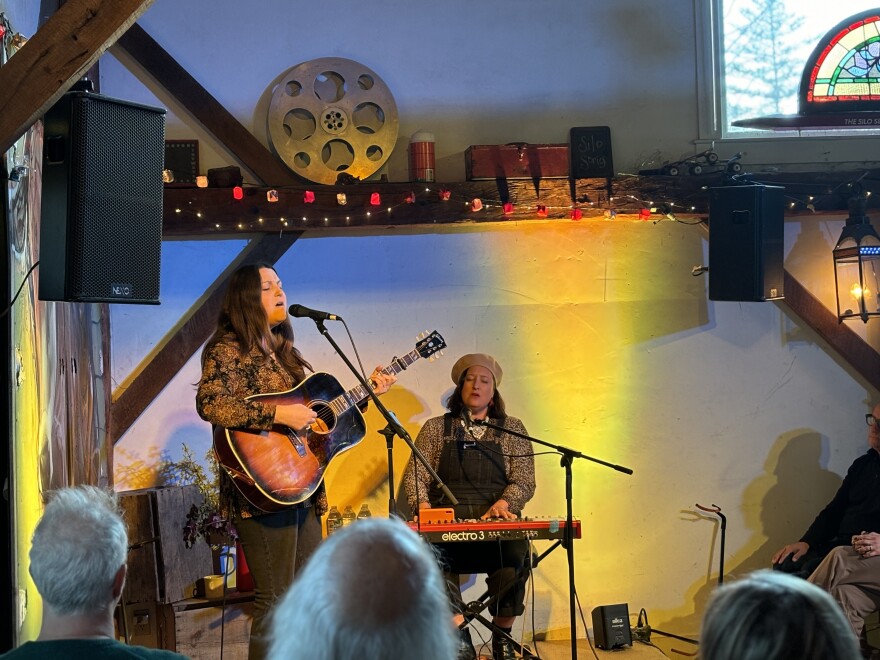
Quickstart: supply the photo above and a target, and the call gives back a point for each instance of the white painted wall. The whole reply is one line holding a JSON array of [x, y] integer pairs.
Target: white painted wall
[[472, 73]]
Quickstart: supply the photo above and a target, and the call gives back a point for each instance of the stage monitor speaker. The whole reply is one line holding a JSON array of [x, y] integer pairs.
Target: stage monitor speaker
[[611, 626], [746, 243], [101, 217]]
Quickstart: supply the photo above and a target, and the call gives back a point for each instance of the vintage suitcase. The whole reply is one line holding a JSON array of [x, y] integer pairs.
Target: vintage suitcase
[[160, 567], [517, 160]]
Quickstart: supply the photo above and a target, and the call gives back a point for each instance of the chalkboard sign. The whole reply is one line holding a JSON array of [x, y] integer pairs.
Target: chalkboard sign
[[182, 160], [589, 150]]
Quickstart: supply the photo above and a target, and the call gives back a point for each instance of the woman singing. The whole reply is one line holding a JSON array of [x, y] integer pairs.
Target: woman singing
[[252, 352]]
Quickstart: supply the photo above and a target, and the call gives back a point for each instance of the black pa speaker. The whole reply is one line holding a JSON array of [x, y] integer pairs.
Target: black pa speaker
[[611, 626], [101, 218], [745, 243]]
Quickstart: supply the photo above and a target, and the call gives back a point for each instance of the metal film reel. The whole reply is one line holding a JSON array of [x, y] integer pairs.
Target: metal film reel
[[332, 115]]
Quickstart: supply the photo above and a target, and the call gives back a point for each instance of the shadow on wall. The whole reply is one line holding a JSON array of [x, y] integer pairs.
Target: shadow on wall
[[796, 487], [360, 474]]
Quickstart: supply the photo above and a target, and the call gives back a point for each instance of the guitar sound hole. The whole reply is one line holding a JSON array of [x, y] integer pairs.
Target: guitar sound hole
[[326, 421]]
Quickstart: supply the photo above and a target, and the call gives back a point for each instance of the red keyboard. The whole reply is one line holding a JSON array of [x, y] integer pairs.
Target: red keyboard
[[494, 530]]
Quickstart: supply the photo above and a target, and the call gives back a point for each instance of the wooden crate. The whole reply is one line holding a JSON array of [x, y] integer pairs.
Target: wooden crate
[[197, 628], [147, 624], [516, 161], [160, 567]]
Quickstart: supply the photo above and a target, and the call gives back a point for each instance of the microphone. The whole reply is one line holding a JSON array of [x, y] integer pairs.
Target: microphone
[[300, 311], [468, 418]]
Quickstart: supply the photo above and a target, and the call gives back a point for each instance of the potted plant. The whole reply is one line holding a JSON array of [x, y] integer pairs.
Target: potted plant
[[203, 520]]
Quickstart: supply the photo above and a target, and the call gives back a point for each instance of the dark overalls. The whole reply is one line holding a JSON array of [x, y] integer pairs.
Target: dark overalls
[[473, 470]]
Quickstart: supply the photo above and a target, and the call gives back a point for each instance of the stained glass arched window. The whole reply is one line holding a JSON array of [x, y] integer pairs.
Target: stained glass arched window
[[843, 72]]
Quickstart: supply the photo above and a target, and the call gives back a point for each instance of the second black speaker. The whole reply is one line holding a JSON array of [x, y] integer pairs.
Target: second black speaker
[[746, 243]]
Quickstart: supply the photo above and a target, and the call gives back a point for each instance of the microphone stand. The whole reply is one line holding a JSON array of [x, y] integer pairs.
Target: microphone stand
[[393, 427], [567, 455]]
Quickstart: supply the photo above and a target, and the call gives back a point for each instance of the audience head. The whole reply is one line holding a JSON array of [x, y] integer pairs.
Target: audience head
[[79, 550], [774, 616], [371, 591]]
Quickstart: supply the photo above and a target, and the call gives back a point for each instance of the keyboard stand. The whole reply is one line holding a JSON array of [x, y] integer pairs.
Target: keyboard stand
[[472, 611]]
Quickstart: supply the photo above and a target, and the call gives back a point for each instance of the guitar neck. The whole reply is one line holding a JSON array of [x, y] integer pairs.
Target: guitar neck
[[358, 393]]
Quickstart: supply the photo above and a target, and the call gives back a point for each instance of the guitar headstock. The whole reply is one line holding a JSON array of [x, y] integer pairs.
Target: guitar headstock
[[430, 345]]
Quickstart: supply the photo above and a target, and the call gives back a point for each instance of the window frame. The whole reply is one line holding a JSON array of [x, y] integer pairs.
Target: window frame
[[828, 147]]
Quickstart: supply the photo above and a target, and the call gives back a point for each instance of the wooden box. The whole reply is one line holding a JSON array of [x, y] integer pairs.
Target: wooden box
[[160, 567], [197, 628], [516, 161]]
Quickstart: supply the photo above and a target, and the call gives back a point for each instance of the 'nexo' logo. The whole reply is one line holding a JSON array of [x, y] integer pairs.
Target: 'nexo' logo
[[121, 290]]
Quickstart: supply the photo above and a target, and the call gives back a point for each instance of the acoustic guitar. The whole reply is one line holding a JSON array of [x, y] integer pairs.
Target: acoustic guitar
[[276, 468]]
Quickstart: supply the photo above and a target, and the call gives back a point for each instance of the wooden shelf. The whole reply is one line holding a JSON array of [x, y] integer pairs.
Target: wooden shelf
[[203, 212], [232, 598]]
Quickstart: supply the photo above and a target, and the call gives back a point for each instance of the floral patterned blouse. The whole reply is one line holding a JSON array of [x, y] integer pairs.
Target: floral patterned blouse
[[227, 379]]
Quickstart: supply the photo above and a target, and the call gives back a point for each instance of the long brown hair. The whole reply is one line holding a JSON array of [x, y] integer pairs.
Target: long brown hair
[[455, 404], [243, 319]]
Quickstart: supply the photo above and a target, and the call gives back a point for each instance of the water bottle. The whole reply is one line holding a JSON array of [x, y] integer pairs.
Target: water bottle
[[364, 512], [348, 515], [334, 520]]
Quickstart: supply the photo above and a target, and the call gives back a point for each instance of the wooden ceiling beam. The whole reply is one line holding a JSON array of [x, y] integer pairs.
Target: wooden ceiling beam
[[197, 212], [216, 119], [59, 54], [169, 356], [854, 350]]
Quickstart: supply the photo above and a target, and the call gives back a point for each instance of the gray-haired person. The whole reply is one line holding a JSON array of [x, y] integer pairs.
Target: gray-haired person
[[372, 591], [78, 557], [771, 615]]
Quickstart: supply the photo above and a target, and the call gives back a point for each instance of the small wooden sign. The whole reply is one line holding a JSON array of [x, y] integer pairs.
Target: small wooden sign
[[589, 150]]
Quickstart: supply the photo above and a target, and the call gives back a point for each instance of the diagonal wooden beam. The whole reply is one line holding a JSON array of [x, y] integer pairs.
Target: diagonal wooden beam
[[53, 59], [134, 394], [228, 131], [860, 355]]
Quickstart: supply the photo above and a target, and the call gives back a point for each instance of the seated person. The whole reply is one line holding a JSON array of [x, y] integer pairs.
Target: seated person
[[854, 510], [851, 573], [773, 616], [492, 474], [78, 556], [372, 591]]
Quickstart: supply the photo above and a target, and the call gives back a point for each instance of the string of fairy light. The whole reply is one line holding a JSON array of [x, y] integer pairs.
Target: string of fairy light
[[375, 206], [372, 205]]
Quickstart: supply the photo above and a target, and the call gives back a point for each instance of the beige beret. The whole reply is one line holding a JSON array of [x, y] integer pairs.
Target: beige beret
[[465, 362]]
